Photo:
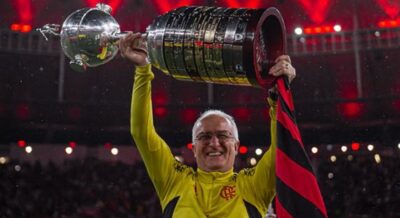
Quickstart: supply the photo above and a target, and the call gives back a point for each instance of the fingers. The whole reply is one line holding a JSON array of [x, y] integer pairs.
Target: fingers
[[283, 66], [130, 48], [283, 58], [123, 44], [130, 42]]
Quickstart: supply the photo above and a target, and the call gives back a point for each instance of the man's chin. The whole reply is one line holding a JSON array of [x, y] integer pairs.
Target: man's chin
[[215, 167]]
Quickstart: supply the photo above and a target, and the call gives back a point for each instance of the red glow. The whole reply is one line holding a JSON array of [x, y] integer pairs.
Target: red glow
[[189, 146], [74, 113], [108, 145], [24, 11], [355, 146], [390, 7], [241, 114], [72, 144], [15, 27], [21, 27], [189, 115], [164, 6], [160, 111], [351, 109], [319, 29], [243, 149], [21, 143], [115, 5], [316, 10], [389, 23], [23, 112], [396, 105], [160, 97], [26, 28], [243, 3], [91, 3]]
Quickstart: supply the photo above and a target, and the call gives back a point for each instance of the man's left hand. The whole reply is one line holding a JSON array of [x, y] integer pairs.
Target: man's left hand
[[283, 66]]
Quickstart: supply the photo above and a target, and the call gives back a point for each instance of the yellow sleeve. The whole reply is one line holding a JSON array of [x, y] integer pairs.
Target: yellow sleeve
[[259, 182], [155, 153]]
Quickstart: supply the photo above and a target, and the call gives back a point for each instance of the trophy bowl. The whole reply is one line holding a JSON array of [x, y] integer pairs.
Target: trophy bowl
[[82, 34]]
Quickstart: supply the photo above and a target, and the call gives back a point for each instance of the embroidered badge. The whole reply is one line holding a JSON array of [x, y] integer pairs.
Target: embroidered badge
[[228, 192]]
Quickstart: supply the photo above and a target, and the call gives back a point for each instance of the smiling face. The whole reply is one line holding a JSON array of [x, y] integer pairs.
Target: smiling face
[[214, 146]]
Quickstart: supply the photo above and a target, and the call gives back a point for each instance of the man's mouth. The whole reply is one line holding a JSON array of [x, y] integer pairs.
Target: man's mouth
[[214, 154]]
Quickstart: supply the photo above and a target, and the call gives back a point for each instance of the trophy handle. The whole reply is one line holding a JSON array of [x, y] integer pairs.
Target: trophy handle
[[53, 29]]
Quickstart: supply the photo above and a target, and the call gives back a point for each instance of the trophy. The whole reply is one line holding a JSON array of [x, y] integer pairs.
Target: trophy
[[235, 46]]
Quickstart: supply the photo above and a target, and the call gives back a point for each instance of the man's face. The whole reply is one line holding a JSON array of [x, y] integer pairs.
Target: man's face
[[215, 147]]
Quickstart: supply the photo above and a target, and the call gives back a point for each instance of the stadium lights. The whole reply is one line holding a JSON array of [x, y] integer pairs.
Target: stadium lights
[[314, 150], [350, 157], [355, 146], [259, 151], [377, 158], [17, 168], [24, 28], [298, 31], [69, 150], [21, 143], [337, 28], [253, 161], [391, 23], [4, 160], [114, 151], [243, 149], [72, 144], [28, 149], [318, 29]]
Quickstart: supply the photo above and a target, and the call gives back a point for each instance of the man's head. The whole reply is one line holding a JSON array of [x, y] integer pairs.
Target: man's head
[[215, 141]]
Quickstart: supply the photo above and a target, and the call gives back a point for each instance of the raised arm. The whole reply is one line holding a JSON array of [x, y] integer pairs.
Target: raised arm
[[260, 180], [155, 153]]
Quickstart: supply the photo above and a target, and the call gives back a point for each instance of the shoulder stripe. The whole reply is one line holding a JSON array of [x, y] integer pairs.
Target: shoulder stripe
[[169, 209], [252, 211]]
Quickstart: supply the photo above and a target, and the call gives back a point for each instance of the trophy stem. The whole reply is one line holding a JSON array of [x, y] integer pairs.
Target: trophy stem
[[114, 37]]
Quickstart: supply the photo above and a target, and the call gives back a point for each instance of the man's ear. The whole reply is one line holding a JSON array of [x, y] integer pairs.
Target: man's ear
[[237, 147], [194, 150]]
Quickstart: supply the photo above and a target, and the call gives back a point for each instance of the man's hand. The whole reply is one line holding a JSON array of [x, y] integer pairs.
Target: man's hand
[[283, 66], [131, 48]]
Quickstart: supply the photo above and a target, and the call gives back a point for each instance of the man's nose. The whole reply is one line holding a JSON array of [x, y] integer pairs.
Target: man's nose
[[214, 140]]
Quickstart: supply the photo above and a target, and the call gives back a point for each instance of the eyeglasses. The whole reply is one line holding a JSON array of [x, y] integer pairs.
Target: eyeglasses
[[206, 137]]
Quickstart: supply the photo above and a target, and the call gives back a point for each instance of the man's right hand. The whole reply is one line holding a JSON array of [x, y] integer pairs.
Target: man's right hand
[[131, 49]]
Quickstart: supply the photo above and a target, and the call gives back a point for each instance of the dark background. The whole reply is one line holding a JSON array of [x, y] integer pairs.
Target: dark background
[[333, 105]]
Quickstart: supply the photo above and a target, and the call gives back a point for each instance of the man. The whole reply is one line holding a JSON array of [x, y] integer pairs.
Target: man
[[213, 189]]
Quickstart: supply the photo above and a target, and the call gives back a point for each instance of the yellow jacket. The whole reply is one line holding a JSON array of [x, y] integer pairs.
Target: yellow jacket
[[185, 192]]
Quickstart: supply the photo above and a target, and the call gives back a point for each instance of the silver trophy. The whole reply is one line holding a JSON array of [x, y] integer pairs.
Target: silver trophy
[[192, 43]]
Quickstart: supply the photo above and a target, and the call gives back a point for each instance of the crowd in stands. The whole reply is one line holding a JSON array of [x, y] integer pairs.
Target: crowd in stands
[[357, 186], [92, 188]]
